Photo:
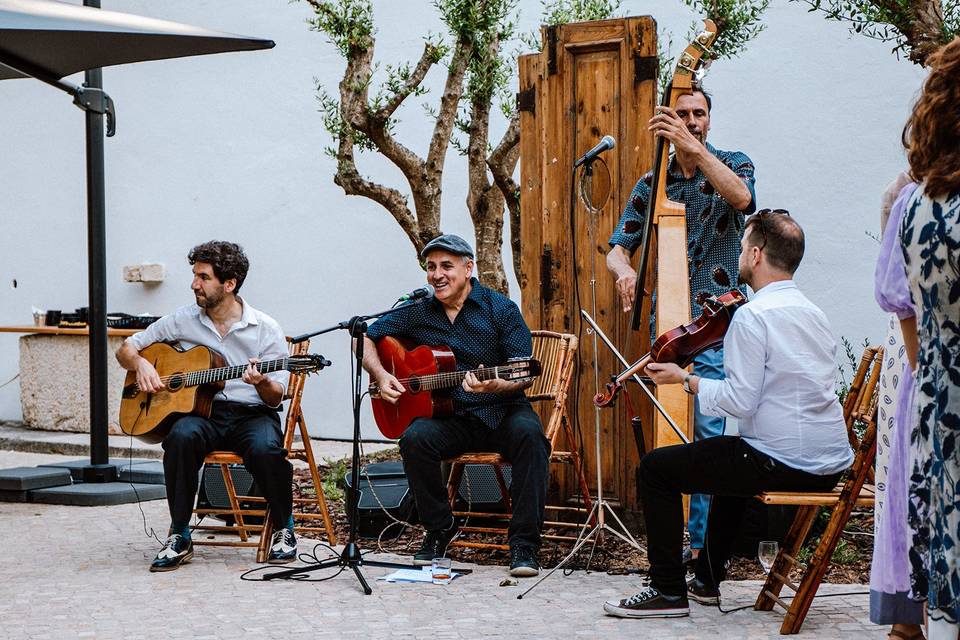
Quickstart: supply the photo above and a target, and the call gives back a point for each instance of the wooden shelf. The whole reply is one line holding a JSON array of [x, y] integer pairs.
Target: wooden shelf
[[64, 331]]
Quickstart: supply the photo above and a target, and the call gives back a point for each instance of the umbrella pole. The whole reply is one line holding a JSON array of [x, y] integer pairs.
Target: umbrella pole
[[99, 470]]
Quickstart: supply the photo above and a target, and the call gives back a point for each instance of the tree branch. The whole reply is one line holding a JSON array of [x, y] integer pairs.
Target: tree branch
[[502, 163], [427, 60]]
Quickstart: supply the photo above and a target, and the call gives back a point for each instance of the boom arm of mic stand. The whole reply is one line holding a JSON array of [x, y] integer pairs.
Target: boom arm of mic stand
[[656, 403]]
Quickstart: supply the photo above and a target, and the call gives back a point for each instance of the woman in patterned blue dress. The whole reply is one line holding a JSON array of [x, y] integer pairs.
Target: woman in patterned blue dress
[[930, 236]]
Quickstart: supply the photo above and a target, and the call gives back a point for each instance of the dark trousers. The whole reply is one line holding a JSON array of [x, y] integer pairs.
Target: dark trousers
[[732, 472], [252, 432], [519, 439]]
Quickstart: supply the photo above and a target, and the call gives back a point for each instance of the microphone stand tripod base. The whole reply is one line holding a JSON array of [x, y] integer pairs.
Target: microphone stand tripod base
[[594, 534], [349, 557]]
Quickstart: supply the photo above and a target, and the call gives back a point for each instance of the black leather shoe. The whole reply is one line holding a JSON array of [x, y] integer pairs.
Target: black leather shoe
[[523, 562], [283, 546], [435, 545], [176, 550]]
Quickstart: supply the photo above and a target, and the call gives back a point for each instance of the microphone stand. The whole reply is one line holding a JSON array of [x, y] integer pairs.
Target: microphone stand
[[351, 556]]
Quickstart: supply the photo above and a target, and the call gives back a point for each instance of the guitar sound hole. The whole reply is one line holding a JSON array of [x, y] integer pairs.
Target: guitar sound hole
[[175, 383], [414, 385]]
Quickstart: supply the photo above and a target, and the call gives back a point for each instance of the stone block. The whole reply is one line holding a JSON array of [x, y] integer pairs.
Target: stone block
[[143, 273], [24, 478], [14, 496], [54, 382], [99, 494], [143, 471]]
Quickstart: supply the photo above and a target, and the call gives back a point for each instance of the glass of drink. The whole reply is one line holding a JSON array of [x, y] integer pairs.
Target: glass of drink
[[440, 570], [767, 553]]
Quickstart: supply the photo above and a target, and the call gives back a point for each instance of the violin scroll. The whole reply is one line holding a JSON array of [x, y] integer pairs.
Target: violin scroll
[[608, 397]]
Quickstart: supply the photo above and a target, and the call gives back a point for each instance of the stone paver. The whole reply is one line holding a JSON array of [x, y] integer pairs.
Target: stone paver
[[85, 576]]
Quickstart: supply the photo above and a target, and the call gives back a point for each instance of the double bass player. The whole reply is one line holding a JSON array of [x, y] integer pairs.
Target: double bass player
[[717, 190]]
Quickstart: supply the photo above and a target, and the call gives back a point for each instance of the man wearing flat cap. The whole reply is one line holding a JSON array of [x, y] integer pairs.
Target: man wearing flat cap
[[482, 328]]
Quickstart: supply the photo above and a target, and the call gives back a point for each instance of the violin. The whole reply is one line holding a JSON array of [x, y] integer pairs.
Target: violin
[[682, 344]]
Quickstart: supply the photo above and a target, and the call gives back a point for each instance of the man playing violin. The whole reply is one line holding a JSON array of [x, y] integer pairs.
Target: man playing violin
[[780, 364], [482, 328], [717, 189]]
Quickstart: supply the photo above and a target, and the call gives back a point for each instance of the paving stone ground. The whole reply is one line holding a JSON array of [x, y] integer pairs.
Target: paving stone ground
[[81, 572]]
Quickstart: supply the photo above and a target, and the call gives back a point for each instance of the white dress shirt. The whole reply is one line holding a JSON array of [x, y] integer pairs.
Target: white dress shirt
[[779, 359], [254, 335]]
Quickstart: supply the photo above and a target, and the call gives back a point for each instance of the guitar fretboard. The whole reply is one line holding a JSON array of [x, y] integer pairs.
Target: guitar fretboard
[[207, 376], [455, 378]]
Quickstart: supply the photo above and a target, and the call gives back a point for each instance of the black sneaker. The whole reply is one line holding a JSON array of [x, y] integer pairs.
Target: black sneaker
[[176, 550], [702, 593], [283, 546], [523, 562], [649, 603], [435, 545]]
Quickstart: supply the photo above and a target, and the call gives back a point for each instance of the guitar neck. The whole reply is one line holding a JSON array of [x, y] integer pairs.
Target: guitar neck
[[206, 376], [455, 378]]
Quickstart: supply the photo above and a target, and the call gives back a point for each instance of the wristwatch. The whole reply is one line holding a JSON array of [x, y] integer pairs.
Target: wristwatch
[[686, 383]]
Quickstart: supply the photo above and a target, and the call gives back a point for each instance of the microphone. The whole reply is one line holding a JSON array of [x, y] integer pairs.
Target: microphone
[[607, 142], [425, 291]]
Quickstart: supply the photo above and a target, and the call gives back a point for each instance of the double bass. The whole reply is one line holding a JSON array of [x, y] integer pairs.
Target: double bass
[[667, 221]]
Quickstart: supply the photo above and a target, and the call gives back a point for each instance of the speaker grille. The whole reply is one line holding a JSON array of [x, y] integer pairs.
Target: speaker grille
[[479, 484], [215, 487]]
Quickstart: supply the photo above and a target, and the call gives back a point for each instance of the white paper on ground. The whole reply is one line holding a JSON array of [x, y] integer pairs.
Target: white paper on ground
[[412, 575]]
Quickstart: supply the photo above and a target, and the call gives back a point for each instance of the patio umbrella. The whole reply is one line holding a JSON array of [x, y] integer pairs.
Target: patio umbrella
[[49, 40]]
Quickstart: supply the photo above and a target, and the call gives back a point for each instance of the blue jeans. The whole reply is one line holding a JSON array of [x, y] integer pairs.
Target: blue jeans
[[708, 364]]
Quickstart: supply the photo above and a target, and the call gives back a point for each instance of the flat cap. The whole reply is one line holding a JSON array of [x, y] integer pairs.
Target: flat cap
[[449, 243]]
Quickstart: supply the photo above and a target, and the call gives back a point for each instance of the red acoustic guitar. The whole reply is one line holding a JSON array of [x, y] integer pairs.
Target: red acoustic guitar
[[429, 375]]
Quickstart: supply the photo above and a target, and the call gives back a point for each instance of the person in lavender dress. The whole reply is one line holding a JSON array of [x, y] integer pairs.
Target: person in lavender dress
[[890, 601], [930, 239]]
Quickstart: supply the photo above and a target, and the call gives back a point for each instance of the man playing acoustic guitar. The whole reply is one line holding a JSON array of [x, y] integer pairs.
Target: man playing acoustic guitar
[[482, 328], [245, 414]]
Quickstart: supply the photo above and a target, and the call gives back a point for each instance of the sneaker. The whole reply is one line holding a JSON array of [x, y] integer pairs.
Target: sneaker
[[283, 546], [435, 545], [649, 603], [176, 550], [688, 560], [523, 562], [701, 592]]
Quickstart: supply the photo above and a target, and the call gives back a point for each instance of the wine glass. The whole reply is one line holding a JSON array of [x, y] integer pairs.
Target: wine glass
[[767, 553]]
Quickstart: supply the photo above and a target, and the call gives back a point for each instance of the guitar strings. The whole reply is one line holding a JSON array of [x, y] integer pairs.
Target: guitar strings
[[194, 378]]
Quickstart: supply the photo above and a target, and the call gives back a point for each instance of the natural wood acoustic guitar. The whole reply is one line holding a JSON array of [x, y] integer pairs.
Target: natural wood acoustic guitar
[[429, 375], [191, 379]]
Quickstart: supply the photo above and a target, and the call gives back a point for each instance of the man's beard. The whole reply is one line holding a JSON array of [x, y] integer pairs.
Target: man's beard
[[743, 277], [209, 302]]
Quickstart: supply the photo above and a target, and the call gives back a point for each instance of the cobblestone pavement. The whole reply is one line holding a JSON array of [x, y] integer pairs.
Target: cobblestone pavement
[[79, 572]]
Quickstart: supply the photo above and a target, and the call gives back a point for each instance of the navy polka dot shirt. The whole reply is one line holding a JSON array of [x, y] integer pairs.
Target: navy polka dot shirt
[[714, 228], [488, 330]]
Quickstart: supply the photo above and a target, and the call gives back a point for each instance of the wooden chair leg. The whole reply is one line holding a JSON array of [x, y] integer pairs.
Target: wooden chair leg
[[817, 568], [453, 482], [802, 522], [317, 483], [263, 545], [577, 462], [234, 503]]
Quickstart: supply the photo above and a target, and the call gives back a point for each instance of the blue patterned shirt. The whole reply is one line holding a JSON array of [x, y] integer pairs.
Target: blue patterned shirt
[[714, 228], [488, 330]]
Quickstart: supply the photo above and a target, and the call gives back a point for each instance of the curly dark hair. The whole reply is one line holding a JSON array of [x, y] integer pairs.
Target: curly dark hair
[[932, 134], [227, 259]]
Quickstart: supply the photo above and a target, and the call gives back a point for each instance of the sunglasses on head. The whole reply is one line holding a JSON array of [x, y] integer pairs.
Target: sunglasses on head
[[763, 228]]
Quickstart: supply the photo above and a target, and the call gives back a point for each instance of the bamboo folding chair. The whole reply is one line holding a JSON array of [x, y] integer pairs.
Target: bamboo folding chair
[[860, 407], [257, 529], [557, 355]]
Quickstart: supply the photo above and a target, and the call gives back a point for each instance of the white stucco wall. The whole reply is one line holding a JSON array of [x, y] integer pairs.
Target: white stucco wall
[[231, 147]]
